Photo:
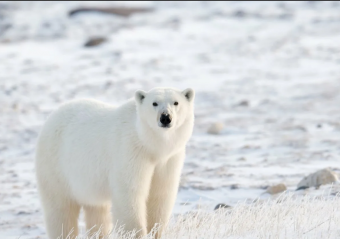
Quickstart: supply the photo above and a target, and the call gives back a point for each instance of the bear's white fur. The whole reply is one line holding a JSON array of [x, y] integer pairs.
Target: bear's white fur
[[93, 155]]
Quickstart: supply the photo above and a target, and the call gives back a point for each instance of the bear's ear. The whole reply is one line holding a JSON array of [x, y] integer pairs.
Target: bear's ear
[[189, 94], [139, 96]]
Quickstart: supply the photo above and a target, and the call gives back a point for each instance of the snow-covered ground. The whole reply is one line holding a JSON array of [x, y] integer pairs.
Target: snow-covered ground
[[269, 71]]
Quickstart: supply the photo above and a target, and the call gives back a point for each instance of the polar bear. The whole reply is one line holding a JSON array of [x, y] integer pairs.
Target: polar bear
[[94, 156]]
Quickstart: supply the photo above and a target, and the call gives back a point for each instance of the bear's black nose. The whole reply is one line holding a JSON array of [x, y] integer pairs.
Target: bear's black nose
[[165, 119]]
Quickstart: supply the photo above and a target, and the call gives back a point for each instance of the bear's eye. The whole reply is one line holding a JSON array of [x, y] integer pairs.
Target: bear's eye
[[176, 103], [154, 104]]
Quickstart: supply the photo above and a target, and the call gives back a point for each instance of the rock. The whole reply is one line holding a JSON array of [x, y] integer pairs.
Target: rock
[[286, 16], [23, 213], [244, 103], [240, 13], [321, 177], [203, 187], [95, 41], [119, 11], [302, 188], [4, 27], [234, 186], [216, 128], [222, 206], [276, 189]]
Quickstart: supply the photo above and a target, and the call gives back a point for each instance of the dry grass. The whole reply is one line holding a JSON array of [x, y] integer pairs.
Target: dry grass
[[284, 217]]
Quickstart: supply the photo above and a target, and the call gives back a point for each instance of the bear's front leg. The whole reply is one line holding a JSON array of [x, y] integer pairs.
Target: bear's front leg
[[163, 192], [130, 189]]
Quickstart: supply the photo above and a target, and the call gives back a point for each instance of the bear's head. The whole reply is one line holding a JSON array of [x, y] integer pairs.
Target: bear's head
[[165, 108]]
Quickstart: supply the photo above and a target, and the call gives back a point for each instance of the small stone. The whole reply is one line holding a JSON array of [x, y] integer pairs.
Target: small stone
[[234, 186], [240, 13], [23, 213], [216, 128], [244, 103], [242, 159], [286, 15], [119, 11], [321, 177], [107, 85], [276, 189], [221, 206], [95, 41], [203, 187], [302, 188], [14, 106]]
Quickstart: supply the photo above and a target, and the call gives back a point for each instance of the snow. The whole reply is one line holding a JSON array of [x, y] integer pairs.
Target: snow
[[282, 58]]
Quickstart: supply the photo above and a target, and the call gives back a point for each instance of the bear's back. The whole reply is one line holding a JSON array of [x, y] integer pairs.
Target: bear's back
[[87, 112], [85, 123]]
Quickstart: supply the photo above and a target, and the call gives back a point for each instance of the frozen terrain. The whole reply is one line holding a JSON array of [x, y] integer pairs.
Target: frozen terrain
[[269, 71]]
